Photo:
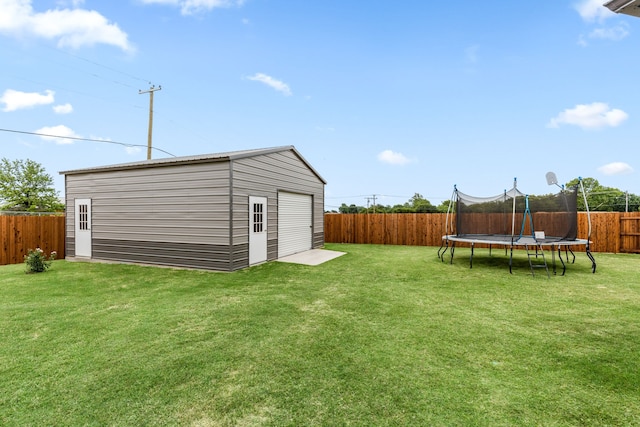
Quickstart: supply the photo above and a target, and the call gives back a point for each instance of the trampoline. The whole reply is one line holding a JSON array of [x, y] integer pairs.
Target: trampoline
[[491, 221]]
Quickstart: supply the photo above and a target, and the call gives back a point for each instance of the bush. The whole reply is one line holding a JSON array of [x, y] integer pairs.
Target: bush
[[37, 261]]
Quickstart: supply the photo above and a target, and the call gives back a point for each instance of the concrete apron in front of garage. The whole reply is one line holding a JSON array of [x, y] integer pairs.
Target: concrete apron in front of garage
[[312, 257]]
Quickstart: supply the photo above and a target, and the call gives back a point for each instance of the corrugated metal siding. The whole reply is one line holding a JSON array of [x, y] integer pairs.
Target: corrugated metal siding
[[70, 246], [207, 257], [318, 219], [265, 175], [175, 206], [239, 256], [69, 225]]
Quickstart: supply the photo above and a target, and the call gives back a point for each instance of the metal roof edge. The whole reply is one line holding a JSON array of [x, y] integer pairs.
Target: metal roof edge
[[258, 151], [619, 6], [202, 158], [199, 158]]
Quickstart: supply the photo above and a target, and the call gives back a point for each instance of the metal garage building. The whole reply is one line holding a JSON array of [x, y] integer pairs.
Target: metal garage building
[[221, 211]]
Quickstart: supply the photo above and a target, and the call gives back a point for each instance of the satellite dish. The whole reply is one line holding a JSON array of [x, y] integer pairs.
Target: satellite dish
[[551, 178]]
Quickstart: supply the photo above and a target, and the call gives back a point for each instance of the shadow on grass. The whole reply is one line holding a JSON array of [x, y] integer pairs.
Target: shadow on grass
[[520, 263]]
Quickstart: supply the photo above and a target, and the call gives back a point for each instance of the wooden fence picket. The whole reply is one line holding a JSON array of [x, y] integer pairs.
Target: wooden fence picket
[[610, 231], [19, 233]]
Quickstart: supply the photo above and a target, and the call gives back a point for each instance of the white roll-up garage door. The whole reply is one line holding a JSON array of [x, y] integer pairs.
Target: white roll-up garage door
[[294, 223]]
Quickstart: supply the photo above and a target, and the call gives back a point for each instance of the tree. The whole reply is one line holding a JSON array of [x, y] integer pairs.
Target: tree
[[416, 204], [444, 206], [350, 209], [601, 198], [421, 205], [26, 187], [401, 209]]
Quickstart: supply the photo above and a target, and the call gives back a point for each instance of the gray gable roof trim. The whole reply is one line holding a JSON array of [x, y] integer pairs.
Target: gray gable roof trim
[[628, 7], [202, 158]]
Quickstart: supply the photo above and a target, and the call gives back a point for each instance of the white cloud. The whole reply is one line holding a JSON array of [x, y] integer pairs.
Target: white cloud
[[593, 10], [393, 158], [53, 133], [192, 7], [70, 27], [591, 116], [616, 168], [16, 100], [271, 82], [63, 108], [614, 33]]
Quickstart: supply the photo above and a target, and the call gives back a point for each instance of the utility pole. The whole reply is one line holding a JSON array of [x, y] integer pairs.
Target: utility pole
[[368, 199], [626, 205], [373, 197], [150, 92]]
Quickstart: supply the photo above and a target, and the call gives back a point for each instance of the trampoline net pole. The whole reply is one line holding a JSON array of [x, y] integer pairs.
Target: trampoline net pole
[[513, 213], [450, 211], [586, 205]]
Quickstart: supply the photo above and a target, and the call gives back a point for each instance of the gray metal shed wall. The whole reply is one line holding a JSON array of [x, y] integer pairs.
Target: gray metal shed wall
[[265, 175], [171, 215]]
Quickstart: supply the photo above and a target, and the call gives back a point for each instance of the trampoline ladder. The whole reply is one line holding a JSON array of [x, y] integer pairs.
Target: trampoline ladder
[[534, 256]]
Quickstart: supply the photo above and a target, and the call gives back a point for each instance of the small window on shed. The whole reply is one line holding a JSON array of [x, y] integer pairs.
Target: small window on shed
[[83, 220], [258, 217]]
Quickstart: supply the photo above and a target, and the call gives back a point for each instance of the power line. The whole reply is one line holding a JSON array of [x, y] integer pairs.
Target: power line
[[346, 197], [65, 89], [77, 138], [102, 77], [103, 66], [124, 73], [386, 195]]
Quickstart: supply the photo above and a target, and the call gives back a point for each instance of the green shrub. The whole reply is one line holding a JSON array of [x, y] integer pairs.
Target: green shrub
[[37, 261]]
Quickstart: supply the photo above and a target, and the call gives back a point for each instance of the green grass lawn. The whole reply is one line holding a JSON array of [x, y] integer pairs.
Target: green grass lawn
[[382, 336]]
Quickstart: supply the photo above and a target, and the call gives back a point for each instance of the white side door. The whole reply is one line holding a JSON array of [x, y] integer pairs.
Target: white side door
[[83, 227], [257, 230]]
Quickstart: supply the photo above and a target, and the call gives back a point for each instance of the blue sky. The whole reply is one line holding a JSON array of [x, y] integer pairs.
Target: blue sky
[[382, 98]]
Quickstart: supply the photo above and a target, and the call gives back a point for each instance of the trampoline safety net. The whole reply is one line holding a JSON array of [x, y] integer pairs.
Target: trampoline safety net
[[548, 218]]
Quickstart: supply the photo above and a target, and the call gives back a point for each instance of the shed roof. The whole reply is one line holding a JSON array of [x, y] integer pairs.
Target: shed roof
[[201, 158], [627, 7]]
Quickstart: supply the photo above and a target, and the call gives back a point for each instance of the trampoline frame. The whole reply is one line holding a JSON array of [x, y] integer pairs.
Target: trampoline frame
[[512, 241], [509, 243]]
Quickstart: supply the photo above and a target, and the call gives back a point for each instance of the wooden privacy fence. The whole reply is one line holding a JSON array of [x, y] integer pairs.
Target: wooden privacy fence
[[20, 233], [610, 231], [630, 233]]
